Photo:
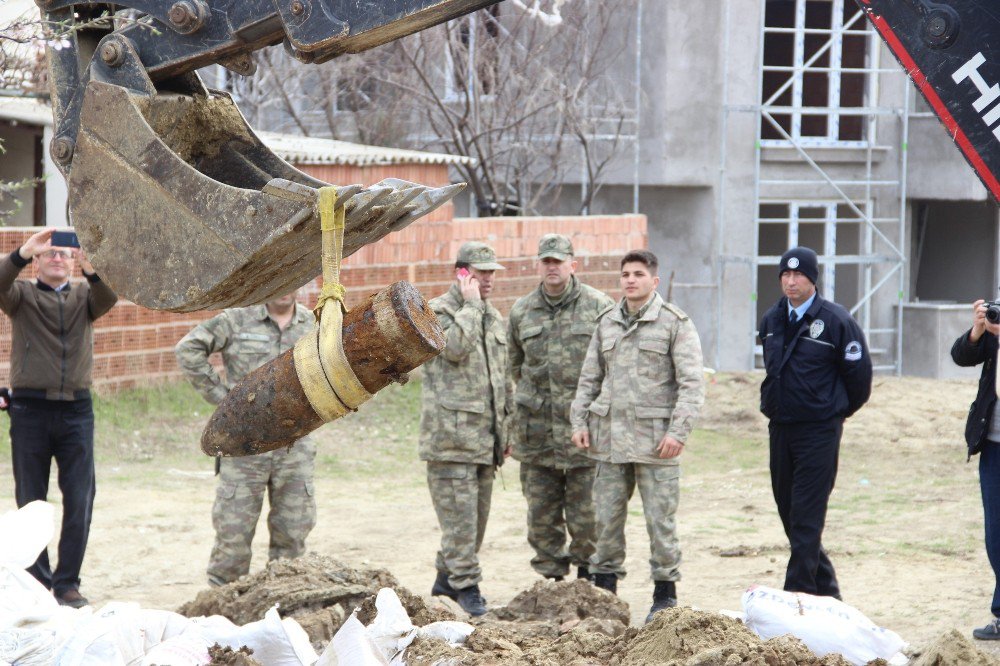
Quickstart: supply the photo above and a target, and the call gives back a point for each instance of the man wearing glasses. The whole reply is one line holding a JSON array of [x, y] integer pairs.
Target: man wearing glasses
[[51, 415]]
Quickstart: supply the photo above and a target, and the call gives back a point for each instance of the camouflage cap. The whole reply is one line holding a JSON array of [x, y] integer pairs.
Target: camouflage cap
[[478, 255], [555, 246]]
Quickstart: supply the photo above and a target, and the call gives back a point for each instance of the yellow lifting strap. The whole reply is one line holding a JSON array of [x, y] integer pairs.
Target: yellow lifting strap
[[327, 379]]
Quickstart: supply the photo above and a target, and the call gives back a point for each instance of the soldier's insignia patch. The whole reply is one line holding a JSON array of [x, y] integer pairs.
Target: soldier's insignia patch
[[852, 352], [816, 328]]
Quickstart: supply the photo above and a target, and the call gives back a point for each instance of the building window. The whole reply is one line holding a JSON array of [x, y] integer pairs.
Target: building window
[[816, 71], [830, 228]]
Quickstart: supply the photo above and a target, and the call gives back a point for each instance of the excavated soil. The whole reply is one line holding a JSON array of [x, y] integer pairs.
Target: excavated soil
[[682, 636], [227, 656], [565, 602], [953, 649], [550, 624], [319, 592]]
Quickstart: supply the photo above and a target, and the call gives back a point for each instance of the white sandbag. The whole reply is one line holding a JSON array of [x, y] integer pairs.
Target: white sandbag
[[23, 535], [23, 600], [391, 631], [451, 631], [351, 646], [27, 647], [274, 641], [824, 624], [215, 628], [158, 626], [25, 532], [187, 649], [113, 636]]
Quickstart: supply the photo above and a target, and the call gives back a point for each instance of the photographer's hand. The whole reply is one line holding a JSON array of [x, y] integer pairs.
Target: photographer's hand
[[979, 323]]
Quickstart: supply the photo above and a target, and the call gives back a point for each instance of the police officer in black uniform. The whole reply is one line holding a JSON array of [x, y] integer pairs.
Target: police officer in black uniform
[[819, 372]]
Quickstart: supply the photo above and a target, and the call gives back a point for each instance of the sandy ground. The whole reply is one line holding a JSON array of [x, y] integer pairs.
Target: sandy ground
[[904, 529]]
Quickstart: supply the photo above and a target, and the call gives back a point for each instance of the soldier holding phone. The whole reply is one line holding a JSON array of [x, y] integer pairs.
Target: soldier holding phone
[[463, 421]]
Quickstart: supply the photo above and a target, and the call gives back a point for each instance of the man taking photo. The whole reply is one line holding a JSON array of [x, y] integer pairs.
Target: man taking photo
[[51, 414]]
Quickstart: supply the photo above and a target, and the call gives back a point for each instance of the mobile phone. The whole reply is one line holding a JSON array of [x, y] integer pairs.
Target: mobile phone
[[65, 239], [463, 272]]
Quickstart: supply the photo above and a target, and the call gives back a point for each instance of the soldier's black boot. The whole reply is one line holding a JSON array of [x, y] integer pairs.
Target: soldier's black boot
[[442, 588], [664, 596], [584, 572], [607, 582], [472, 601]]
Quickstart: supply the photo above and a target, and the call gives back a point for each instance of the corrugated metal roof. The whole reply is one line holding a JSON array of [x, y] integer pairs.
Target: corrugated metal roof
[[294, 149], [308, 150], [28, 110]]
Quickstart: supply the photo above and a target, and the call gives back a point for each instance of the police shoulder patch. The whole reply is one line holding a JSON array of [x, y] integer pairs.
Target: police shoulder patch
[[816, 328], [853, 351]]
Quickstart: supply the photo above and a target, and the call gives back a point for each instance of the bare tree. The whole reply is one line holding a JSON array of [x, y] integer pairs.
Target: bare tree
[[530, 92]]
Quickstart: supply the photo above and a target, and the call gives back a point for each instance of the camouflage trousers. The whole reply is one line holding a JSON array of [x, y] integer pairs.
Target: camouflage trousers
[[559, 500], [286, 475], [659, 488], [461, 495]]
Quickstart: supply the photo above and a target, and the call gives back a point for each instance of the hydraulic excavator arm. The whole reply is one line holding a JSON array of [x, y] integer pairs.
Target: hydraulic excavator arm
[[951, 51], [148, 152]]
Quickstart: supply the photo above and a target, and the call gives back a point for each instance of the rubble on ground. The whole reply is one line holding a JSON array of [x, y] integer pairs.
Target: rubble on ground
[[568, 623]]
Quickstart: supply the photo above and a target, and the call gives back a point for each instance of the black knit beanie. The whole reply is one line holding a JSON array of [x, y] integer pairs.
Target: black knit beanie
[[800, 259]]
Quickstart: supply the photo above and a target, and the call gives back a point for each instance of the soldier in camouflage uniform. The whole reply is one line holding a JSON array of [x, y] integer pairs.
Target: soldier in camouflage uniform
[[640, 391], [547, 338], [248, 338], [462, 422]]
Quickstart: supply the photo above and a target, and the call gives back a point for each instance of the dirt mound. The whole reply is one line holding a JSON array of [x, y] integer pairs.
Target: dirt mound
[[565, 602], [686, 636], [677, 637], [507, 645], [421, 612], [227, 656], [953, 649], [319, 592]]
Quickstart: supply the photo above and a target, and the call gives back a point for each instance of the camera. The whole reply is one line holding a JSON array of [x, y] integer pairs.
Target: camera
[[993, 312]]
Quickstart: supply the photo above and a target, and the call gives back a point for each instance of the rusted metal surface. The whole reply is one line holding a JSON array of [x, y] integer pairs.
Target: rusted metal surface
[[389, 334]]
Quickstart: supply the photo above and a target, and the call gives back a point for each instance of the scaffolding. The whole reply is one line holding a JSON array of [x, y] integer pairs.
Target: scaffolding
[[829, 166]]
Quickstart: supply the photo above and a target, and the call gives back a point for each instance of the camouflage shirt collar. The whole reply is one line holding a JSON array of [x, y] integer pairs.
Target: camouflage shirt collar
[[302, 313], [648, 312], [570, 294]]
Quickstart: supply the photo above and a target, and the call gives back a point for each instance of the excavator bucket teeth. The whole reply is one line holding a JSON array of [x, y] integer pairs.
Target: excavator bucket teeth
[[181, 207]]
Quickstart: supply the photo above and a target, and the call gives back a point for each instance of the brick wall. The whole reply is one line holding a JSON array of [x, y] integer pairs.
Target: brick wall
[[134, 346]]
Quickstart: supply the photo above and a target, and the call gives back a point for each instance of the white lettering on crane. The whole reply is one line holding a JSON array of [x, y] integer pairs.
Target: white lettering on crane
[[987, 93]]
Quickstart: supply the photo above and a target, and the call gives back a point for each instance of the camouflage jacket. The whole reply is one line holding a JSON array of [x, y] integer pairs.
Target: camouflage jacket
[[247, 338], [466, 392], [639, 383], [547, 345]]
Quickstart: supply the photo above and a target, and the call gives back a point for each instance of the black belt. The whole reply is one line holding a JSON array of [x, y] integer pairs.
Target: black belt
[[42, 394]]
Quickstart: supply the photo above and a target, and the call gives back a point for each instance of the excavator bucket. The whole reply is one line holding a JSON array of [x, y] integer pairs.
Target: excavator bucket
[[181, 207], [179, 204], [951, 51]]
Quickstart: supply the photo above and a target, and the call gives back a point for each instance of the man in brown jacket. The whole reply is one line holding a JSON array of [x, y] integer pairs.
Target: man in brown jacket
[[51, 415]]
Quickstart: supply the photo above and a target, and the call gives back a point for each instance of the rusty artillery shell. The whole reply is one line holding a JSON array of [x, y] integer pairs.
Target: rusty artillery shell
[[389, 334]]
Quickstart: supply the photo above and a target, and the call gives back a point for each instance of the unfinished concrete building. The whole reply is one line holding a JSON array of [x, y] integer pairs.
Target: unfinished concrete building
[[764, 124]]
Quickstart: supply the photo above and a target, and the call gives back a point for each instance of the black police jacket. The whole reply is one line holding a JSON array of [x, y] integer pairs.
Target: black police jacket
[[820, 370], [966, 354]]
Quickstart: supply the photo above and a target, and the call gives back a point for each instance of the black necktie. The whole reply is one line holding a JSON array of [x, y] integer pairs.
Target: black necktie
[[793, 317]]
